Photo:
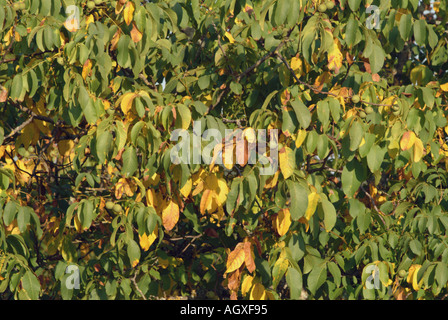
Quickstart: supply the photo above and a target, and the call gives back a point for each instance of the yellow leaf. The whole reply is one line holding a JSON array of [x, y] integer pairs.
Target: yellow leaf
[[287, 162], [90, 19], [444, 87], [334, 57], [297, 66], [170, 215], [136, 35], [78, 225], [301, 135], [407, 140], [128, 12], [246, 285], [230, 37], [313, 199], [235, 258], [186, 189], [418, 150], [222, 192], [258, 292], [207, 204], [126, 102], [283, 221], [412, 276], [147, 240]]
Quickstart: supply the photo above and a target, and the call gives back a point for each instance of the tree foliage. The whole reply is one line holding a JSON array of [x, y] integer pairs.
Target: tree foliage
[[91, 93]]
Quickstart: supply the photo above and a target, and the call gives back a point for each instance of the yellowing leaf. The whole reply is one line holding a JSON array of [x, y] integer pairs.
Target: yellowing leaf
[[170, 215], [86, 69], [126, 102], [418, 150], [235, 258], [135, 262], [136, 35], [284, 97], [272, 182], [283, 221], [229, 36], [258, 292], [313, 199], [287, 162], [128, 12], [407, 140], [246, 285], [334, 57], [65, 147]]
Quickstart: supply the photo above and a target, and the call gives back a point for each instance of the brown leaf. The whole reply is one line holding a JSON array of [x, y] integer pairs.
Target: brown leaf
[[249, 257], [3, 94], [136, 35], [376, 77]]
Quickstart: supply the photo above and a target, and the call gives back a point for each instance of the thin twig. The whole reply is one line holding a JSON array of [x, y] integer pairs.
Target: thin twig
[[137, 287]]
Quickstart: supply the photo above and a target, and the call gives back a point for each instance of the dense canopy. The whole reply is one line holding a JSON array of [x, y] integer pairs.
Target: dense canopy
[[92, 92]]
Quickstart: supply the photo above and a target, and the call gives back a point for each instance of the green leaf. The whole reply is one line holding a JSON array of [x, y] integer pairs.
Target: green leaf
[[350, 31], [16, 87], [420, 32], [354, 5], [316, 278], [130, 162], [441, 274], [9, 212], [31, 285], [416, 247], [375, 158], [133, 251], [281, 10], [294, 281], [353, 174], [299, 199], [86, 214], [104, 145], [330, 215], [335, 272], [376, 58], [356, 134], [302, 113], [23, 218], [405, 26]]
